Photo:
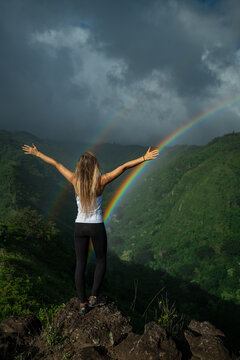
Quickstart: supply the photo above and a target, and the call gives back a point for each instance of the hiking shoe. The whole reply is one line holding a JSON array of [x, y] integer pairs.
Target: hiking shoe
[[97, 301], [83, 308]]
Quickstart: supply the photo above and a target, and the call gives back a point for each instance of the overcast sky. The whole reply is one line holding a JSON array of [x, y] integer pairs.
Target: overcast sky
[[131, 70]]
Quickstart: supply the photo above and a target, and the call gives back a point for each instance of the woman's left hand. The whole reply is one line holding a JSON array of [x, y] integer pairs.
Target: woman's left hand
[[30, 150], [151, 154]]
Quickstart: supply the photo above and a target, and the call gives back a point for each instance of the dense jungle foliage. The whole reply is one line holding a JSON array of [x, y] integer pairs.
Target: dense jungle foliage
[[187, 219]]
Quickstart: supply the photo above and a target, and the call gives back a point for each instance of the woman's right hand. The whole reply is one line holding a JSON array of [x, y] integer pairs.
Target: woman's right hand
[[30, 150], [151, 154]]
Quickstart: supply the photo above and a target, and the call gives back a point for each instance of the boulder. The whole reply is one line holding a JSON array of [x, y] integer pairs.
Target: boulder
[[16, 334], [153, 344], [207, 342]]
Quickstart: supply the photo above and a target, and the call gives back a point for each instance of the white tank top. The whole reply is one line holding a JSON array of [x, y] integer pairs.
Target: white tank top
[[94, 216]]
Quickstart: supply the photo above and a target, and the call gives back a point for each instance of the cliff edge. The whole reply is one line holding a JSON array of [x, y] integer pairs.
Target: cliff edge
[[105, 333]]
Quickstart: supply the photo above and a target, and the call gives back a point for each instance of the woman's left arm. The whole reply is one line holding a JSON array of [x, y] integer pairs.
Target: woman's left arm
[[69, 175]]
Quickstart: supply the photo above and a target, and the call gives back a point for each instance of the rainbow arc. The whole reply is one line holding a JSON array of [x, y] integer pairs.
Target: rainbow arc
[[135, 173]]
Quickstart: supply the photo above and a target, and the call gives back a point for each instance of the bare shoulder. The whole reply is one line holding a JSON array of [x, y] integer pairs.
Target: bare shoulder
[[103, 180], [102, 183], [74, 181], [112, 175]]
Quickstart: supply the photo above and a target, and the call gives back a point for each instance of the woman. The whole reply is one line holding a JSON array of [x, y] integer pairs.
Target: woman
[[89, 183]]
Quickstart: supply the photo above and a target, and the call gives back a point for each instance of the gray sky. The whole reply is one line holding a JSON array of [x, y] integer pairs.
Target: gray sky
[[131, 70]]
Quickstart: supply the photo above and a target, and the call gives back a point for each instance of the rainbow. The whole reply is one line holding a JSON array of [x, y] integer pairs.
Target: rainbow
[[131, 178]]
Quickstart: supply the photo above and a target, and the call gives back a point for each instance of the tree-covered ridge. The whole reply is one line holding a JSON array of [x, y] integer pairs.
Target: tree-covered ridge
[[185, 219], [23, 180]]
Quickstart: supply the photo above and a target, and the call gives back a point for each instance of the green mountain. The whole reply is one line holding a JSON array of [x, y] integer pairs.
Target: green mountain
[[185, 219]]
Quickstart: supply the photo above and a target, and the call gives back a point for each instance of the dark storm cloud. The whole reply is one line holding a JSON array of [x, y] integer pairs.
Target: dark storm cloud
[[56, 85], [151, 37], [35, 87]]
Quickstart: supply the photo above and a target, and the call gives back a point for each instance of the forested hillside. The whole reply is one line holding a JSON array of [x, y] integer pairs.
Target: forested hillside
[[185, 219]]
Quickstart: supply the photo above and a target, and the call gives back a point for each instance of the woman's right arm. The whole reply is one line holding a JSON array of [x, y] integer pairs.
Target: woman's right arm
[[69, 175], [108, 177]]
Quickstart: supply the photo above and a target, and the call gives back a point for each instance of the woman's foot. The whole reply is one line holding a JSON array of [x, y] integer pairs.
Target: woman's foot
[[96, 301], [83, 308]]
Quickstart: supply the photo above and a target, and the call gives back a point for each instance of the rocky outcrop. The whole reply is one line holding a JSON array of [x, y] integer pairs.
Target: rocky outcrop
[[207, 343], [105, 333], [153, 344], [17, 334]]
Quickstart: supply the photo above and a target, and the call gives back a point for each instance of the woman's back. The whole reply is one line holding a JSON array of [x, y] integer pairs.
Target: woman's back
[[95, 216]]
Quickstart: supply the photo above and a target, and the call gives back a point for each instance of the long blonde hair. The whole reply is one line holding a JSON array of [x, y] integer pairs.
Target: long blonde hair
[[87, 180]]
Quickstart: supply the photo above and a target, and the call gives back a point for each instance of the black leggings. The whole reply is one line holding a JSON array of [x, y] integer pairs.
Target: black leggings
[[82, 234]]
